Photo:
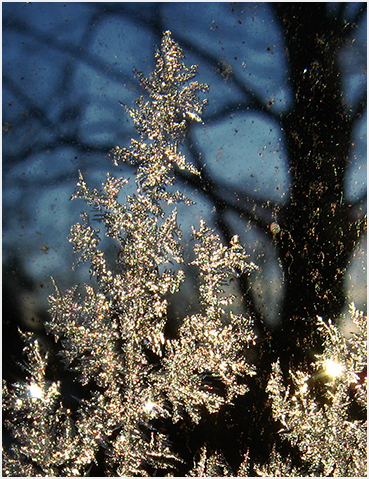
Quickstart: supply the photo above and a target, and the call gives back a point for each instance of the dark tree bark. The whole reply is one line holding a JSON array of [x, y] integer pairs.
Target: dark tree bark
[[318, 227]]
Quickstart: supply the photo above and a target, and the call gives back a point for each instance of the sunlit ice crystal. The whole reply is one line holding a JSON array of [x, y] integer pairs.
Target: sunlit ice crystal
[[333, 368], [35, 391]]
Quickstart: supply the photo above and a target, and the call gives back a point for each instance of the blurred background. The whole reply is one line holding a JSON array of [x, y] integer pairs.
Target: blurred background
[[67, 67]]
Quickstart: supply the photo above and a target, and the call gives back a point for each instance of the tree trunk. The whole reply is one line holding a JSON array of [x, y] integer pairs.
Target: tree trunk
[[318, 228]]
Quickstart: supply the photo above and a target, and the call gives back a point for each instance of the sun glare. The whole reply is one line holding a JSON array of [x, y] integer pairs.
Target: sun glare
[[333, 368], [35, 391]]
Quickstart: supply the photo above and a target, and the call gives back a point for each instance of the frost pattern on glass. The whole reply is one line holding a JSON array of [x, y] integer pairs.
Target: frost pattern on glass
[[330, 442], [48, 441], [109, 333], [213, 465]]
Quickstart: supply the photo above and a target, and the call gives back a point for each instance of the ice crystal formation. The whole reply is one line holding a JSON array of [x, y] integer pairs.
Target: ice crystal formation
[[112, 335]]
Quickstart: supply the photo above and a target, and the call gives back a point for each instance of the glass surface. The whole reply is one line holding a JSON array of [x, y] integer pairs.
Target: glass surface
[[282, 154], [67, 67]]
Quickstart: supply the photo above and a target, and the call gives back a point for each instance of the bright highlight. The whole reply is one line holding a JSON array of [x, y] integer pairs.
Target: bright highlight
[[333, 368], [35, 391]]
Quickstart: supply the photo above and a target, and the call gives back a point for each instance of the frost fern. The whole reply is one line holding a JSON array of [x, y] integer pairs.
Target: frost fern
[[112, 336]]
